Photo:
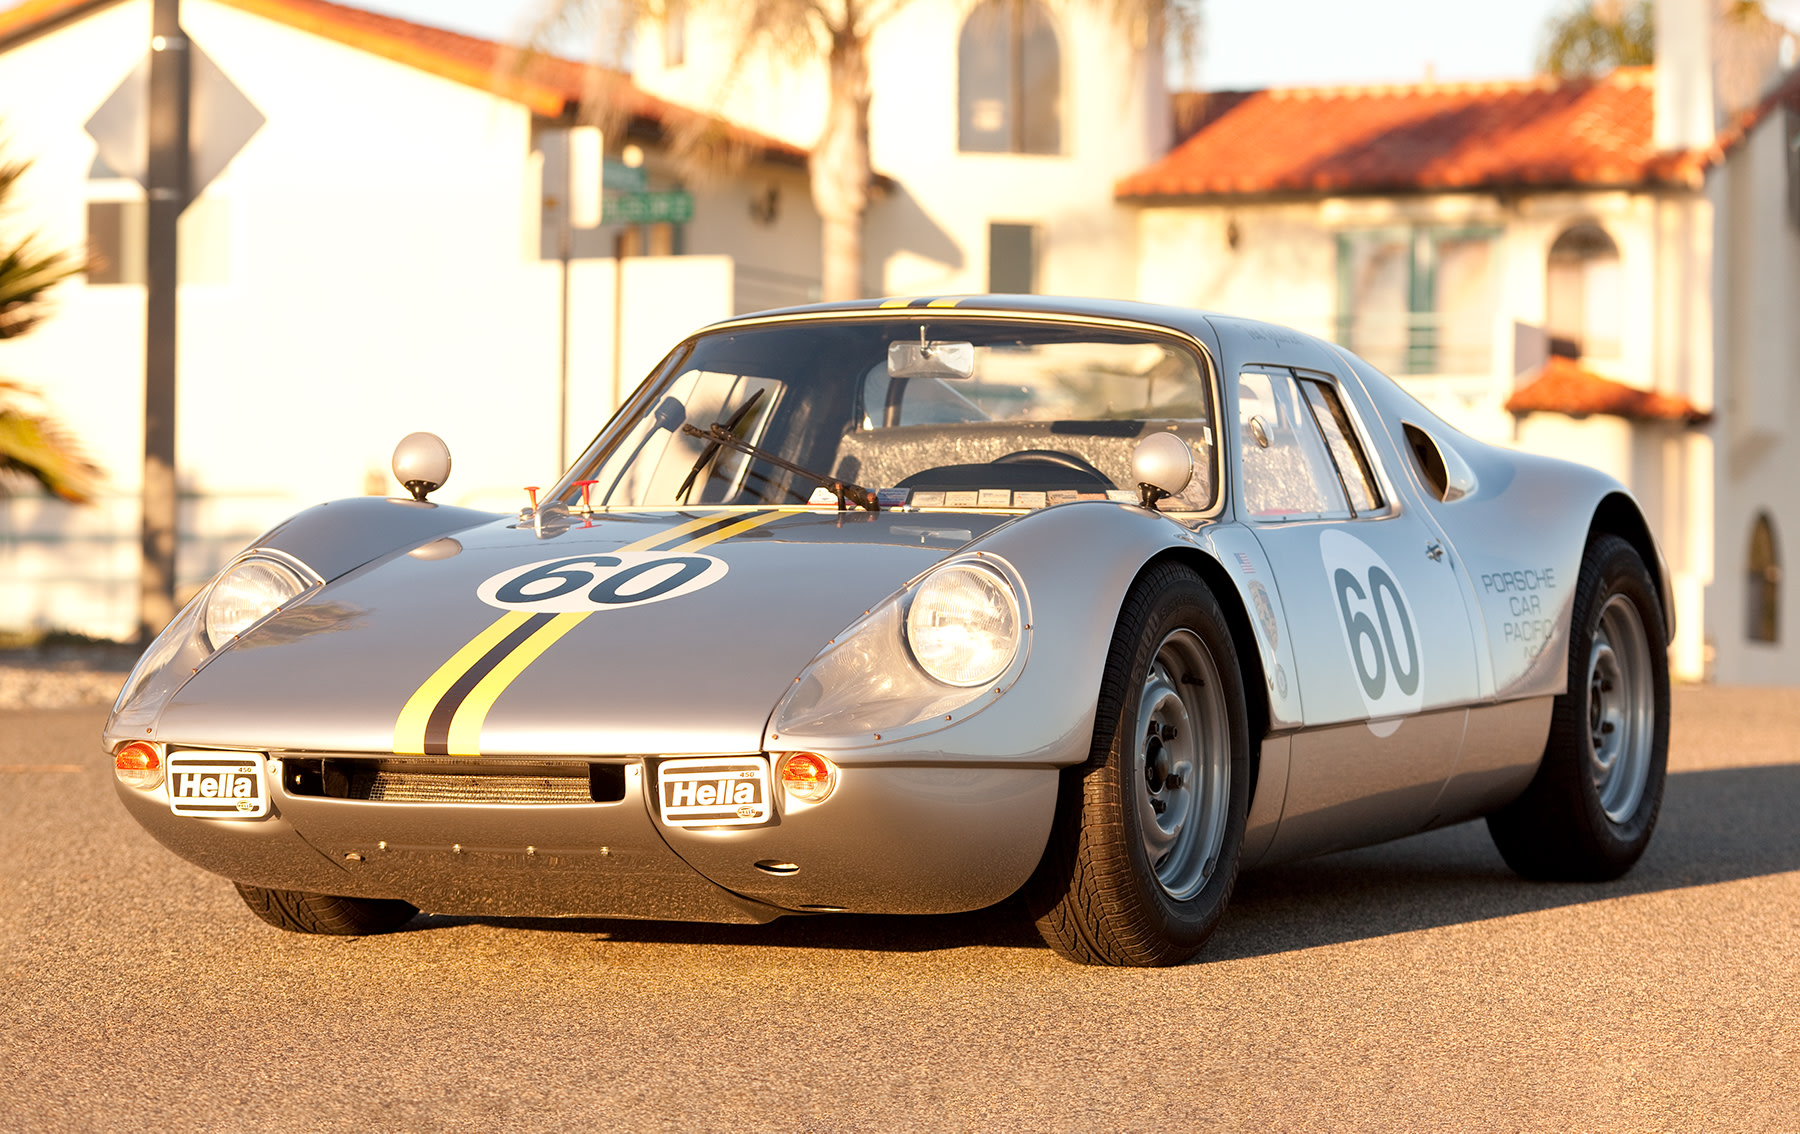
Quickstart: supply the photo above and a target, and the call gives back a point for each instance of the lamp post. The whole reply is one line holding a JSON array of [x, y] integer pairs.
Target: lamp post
[[166, 184]]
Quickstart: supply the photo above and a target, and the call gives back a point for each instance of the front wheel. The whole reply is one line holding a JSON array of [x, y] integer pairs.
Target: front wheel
[[1589, 812], [299, 912], [1145, 848]]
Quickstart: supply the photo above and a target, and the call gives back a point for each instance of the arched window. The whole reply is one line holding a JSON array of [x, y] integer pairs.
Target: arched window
[[1582, 296], [1762, 586], [1009, 80]]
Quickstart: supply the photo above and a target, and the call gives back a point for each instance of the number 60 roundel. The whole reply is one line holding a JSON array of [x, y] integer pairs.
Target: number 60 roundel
[[606, 581], [1377, 624]]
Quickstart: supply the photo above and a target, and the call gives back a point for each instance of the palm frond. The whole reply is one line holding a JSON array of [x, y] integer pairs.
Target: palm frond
[[33, 447]]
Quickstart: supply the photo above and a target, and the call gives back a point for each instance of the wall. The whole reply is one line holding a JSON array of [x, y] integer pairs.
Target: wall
[[1757, 436]]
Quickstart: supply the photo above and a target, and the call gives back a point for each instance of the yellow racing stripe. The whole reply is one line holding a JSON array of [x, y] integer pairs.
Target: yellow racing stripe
[[409, 729], [945, 302], [727, 532], [681, 529], [465, 727]]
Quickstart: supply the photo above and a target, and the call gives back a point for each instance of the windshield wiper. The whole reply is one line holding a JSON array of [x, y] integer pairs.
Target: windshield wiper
[[712, 447], [720, 436]]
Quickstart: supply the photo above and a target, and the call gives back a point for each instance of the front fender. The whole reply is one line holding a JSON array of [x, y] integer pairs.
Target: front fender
[[341, 535]]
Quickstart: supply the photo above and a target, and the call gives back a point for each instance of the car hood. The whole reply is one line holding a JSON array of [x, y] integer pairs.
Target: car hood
[[665, 632]]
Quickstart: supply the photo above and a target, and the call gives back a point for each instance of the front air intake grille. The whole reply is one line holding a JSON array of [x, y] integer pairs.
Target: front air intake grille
[[429, 787], [509, 781]]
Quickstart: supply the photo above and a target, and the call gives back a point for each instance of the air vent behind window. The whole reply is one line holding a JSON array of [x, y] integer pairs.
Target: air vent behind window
[[1441, 467]]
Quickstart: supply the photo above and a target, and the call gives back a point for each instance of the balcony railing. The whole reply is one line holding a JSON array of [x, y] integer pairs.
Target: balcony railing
[[1421, 342]]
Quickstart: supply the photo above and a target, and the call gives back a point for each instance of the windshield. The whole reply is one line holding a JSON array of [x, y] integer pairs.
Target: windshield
[[953, 412]]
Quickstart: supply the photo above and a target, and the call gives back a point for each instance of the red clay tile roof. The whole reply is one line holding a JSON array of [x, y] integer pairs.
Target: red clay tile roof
[[1562, 386], [547, 85], [1542, 133]]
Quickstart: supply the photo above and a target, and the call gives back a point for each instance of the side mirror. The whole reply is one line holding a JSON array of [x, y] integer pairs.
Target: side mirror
[[421, 463], [1162, 465]]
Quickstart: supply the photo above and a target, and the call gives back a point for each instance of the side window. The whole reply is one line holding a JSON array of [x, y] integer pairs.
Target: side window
[[1353, 467], [1287, 471]]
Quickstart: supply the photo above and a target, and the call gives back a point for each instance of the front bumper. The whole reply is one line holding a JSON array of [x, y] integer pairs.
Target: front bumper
[[895, 837]]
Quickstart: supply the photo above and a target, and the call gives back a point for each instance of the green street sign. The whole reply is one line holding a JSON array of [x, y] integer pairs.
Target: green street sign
[[648, 208]]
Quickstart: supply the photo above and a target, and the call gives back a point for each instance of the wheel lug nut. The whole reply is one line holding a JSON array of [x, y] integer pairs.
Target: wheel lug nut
[[1158, 806]]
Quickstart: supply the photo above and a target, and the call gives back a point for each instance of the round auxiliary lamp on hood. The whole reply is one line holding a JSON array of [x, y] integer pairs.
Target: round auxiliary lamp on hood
[[421, 463]]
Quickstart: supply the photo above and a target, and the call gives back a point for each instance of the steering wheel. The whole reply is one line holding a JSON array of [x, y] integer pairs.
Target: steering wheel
[[1048, 457]]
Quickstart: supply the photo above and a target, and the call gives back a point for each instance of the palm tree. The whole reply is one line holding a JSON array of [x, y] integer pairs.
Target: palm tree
[[1592, 38], [32, 446], [839, 33]]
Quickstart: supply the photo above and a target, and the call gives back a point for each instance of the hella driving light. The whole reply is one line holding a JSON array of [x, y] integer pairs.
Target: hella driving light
[[963, 625], [244, 594]]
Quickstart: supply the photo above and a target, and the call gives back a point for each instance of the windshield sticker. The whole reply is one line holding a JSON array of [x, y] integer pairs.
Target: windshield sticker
[[1377, 625], [582, 583]]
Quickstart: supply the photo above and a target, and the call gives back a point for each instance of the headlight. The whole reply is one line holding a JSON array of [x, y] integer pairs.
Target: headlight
[[923, 658], [963, 625], [246, 593]]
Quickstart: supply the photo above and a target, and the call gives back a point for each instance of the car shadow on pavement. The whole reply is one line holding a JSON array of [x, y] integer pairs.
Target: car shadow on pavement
[[1716, 826], [1719, 825]]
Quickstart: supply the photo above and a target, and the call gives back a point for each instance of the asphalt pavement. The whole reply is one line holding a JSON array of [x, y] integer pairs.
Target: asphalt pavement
[[1417, 985]]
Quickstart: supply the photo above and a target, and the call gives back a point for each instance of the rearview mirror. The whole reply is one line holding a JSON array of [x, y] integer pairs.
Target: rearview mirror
[[908, 359]]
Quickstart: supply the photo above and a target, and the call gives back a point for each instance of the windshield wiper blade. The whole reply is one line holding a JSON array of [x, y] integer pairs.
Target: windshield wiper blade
[[720, 435], [712, 447]]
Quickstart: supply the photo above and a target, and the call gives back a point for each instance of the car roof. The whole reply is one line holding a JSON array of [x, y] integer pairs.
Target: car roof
[[1184, 319]]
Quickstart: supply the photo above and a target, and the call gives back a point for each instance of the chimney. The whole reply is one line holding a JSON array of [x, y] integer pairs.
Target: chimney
[[1684, 74]]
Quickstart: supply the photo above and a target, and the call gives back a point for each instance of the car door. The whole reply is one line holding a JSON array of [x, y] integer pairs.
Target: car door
[[1384, 648]]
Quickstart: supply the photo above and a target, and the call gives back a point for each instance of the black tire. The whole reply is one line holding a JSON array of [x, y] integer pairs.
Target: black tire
[[299, 912], [1592, 806], [1098, 897]]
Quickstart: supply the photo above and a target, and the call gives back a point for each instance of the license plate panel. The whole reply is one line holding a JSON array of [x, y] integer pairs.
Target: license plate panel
[[714, 791], [218, 785]]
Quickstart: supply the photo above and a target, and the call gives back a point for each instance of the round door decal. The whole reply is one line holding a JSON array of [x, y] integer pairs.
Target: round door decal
[[1387, 663]]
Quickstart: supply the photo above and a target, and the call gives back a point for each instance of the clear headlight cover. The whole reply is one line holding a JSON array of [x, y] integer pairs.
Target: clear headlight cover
[[963, 625], [244, 594], [870, 684]]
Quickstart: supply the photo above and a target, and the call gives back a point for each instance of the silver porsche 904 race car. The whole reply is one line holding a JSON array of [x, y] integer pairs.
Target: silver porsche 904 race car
[[905, 607]]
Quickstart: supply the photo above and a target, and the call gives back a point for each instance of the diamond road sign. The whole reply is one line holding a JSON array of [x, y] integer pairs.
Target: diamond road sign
[[648, 208]]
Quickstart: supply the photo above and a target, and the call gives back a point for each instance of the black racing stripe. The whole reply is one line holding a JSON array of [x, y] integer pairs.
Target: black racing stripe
[[701, 533], [437, 727], [922, 301]]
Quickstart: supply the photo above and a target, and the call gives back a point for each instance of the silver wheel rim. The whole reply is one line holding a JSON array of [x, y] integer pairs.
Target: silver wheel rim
[[1181, 770], [1621, 709]]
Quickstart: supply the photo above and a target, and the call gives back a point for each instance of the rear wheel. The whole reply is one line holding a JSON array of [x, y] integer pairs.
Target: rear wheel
[[1589, 812], [1145, 848], [299, 912]]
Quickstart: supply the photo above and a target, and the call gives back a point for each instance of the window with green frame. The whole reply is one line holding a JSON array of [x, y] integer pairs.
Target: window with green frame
[[1419, 299]]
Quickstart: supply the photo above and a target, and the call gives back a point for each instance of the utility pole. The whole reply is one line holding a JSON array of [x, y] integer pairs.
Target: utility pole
[[166, 182]]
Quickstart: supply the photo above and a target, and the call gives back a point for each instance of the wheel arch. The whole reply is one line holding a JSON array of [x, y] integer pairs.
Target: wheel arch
[[1243, 639], [1619, 515]]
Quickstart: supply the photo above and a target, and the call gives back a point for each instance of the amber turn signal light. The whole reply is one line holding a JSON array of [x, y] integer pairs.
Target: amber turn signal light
[[139, 764], [808, 777]]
